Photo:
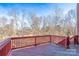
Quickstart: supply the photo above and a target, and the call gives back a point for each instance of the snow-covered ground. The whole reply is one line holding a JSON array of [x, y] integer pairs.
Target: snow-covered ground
[[46, 50]]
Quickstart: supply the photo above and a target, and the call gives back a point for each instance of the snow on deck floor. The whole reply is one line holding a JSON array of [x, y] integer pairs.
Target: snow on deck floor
[[45, 50]]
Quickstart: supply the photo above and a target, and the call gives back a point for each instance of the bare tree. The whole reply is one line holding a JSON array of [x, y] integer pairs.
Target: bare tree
[[23, 15], [14, 13], [57, 19], [35, 23], [70, 21], [3, 22], [47, 24]]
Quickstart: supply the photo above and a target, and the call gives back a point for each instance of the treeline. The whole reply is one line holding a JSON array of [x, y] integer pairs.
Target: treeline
[[21, 23]]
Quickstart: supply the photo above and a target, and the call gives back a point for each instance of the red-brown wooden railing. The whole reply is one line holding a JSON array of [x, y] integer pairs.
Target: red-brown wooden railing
[[74, 39], [20, 42], [60, 40], [5, 47]]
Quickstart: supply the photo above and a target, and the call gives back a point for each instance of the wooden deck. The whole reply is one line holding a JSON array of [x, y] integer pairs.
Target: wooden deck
[[45, 50]]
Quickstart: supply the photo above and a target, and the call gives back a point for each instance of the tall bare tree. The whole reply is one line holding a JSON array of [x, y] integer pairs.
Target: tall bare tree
[[57, 18], [14, 13], [70, 20], [35, 23]]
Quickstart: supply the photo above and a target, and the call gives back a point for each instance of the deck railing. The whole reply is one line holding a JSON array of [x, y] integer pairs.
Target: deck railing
[[5, 47], [20, 42], [74, 39]]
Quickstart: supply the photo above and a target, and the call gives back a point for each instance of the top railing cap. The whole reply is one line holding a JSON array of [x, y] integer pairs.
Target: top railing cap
[[4, 42]]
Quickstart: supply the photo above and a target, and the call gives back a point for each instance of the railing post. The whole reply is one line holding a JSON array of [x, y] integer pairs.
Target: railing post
[[76, 39], [9, 47], [67, 43], [35, 41]]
